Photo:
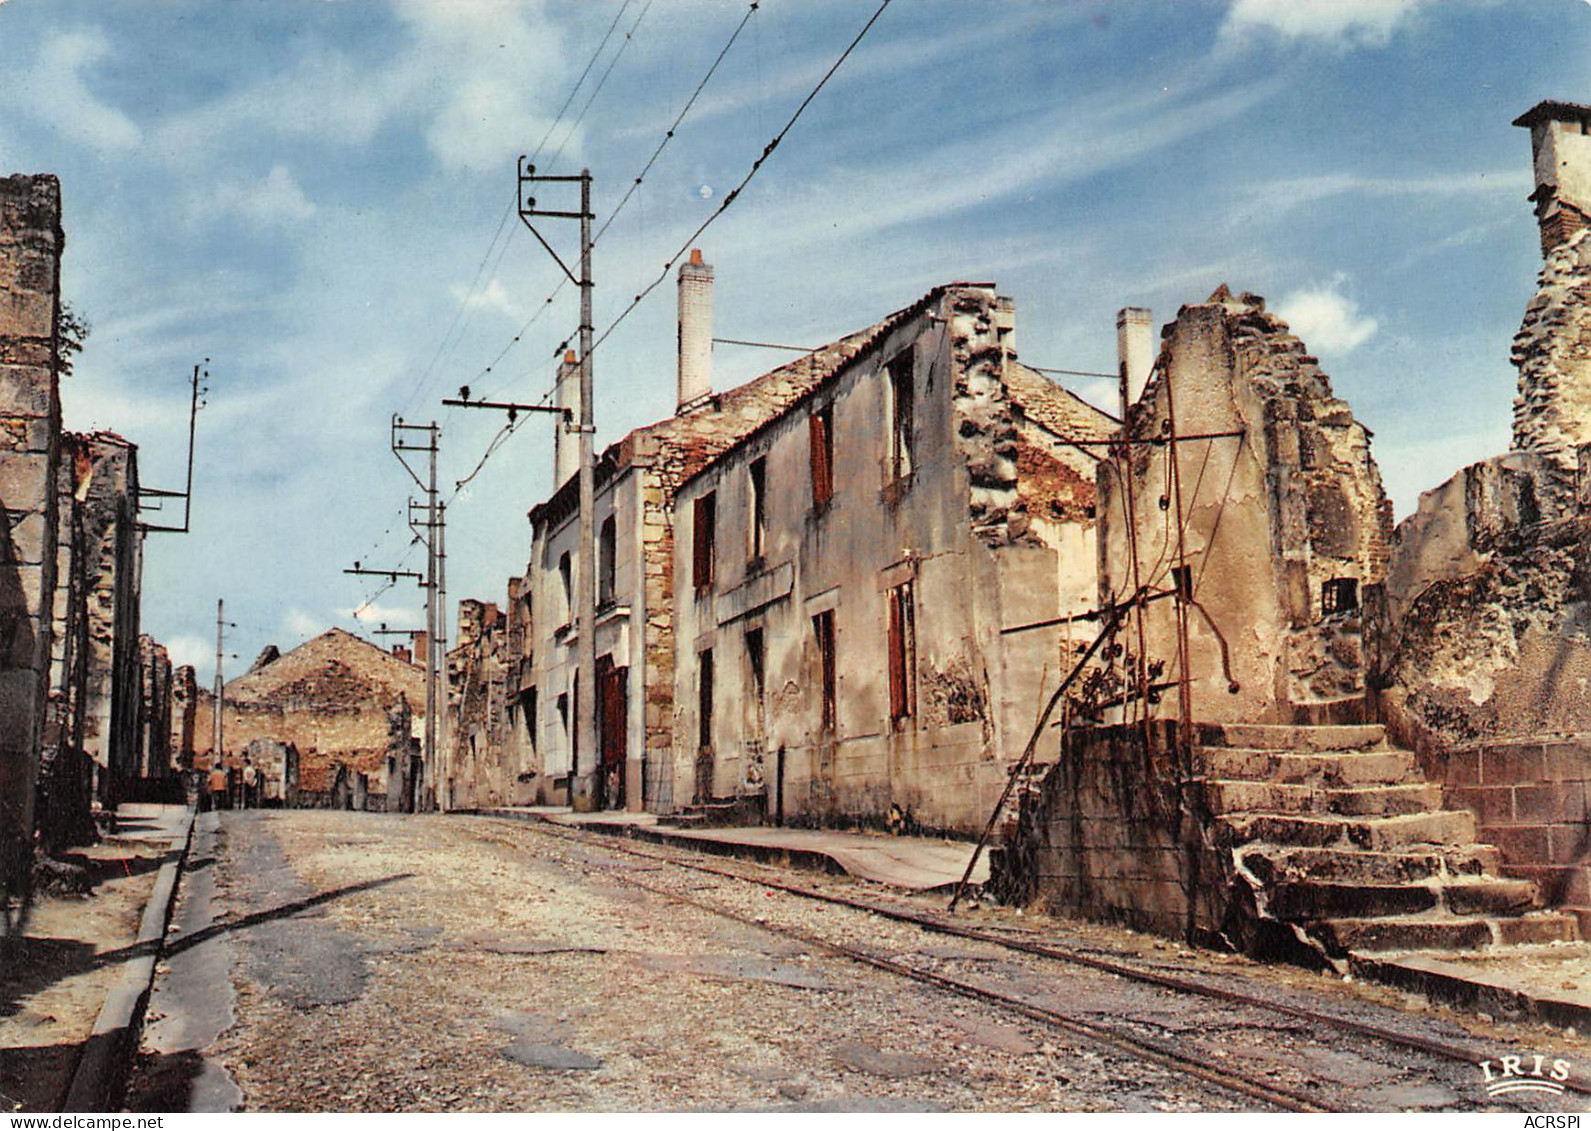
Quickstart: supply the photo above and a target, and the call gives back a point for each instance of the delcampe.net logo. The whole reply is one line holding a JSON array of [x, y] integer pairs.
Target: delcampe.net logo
[[1510, 1074]]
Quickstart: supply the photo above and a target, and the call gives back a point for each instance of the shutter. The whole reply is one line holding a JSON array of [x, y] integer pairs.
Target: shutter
[[897, 658]]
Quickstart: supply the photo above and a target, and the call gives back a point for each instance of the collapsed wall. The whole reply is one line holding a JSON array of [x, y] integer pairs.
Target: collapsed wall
[[1285, 523]]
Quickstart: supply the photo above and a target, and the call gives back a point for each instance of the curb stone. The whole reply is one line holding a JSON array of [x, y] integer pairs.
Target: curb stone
[[101, 1074]]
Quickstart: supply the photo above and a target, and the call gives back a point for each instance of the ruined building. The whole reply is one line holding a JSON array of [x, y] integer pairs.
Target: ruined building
[[477, 771], [636, 479], [332, 700], [846, 575], [1230, 787], [31, 241], [1486, 666]]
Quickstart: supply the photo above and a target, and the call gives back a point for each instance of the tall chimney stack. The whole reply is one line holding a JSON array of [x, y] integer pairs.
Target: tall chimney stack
[[695, 331], [1135, 348], [565, 439], [1561, 151]]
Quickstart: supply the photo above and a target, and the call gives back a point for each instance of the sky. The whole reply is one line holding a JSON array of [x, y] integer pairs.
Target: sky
[[317, 197]]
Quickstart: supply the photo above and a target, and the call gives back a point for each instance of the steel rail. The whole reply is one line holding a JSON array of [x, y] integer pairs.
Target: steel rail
[[1141, 1048], [1429, 1046]]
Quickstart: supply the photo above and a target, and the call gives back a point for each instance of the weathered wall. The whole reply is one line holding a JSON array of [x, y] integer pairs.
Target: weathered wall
[[1273, 514], [975, 529], [31, 241], [1106, 836], [636, 482], [112, 695], [330, 695]]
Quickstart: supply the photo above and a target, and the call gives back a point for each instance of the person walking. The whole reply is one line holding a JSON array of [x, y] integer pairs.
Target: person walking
[[218, 787], [251, 784]]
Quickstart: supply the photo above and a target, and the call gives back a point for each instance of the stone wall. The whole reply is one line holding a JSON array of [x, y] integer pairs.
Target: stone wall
[[1107, 836], [31, 242], [1287, 528]]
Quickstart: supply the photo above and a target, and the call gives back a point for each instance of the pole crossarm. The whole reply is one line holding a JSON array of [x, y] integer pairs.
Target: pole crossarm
[[510, 407], [392, 574], [186, 494]]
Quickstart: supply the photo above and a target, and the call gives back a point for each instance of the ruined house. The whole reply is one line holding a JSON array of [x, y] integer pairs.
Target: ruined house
[[31, 242], [847, 573], [1229, 788], [1486, 661], [636, 479], [332, 699], [477, 770]]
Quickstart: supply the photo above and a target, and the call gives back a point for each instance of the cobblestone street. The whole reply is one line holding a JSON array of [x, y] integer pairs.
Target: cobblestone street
[[347, 961]]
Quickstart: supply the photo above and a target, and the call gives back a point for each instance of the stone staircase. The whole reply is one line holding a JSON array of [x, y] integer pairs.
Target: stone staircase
[[718, 813], [1346, 847]]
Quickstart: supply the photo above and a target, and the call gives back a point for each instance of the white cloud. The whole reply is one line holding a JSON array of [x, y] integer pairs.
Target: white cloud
[[277, 200], [1340, 24], [303, 625], [191, 650], [1327, 320], [57, 93], [494, 297], [373, 614]]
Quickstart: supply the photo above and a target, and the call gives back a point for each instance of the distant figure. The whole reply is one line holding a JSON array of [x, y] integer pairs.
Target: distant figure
[[218, 787], [251, 784]]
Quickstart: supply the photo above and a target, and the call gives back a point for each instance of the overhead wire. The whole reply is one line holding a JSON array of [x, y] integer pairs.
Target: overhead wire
[[734, 193], [508, 212], [635, 184]]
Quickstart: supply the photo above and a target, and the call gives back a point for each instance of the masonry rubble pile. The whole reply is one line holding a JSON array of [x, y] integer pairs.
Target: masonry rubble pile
[[84, 699], [839, 594]]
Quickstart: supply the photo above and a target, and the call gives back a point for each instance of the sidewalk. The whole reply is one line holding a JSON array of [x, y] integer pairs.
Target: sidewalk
[[916, 864]]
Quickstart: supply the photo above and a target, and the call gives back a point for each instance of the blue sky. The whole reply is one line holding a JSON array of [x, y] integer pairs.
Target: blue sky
[[304, 191]]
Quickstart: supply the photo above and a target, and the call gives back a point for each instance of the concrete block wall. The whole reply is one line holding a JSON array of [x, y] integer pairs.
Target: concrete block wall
[[31, 242], [1105, 839], [1532, 800]]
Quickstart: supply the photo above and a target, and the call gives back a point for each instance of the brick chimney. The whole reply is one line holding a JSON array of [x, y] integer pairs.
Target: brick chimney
[[401, 651], [1135, 348], [695, 331], [420, 640], [1560, 146], [565, 438]]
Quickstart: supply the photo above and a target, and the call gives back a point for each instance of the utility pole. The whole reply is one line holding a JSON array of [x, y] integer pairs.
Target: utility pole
[[443, 801], [186, 494], [432, 510], [220, 625], [581, 787]]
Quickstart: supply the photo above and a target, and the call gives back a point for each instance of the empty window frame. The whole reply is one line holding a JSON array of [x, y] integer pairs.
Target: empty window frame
[[902, 409], [1339, 595], [607, 562], [821, 430], [704, 533], [566, 579], [563, 714], [902, 653], [756, 663], [828, 673], [532, 719], [704, 700], [757, 519]]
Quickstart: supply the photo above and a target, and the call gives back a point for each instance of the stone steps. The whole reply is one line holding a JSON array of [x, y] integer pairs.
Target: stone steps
[[1334, 768], [1377, 834], [1306, 900], [1441, 932], [1295, 739], [1344, 839], [1273, 865], [1357, 801]]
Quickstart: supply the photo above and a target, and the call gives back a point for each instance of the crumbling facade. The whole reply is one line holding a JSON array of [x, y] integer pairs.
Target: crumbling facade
[[1486, 660], [477, 770], [331, 699], [31, 242], [1275, 515], [636, 480], [1273, 817], [848, 574]]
